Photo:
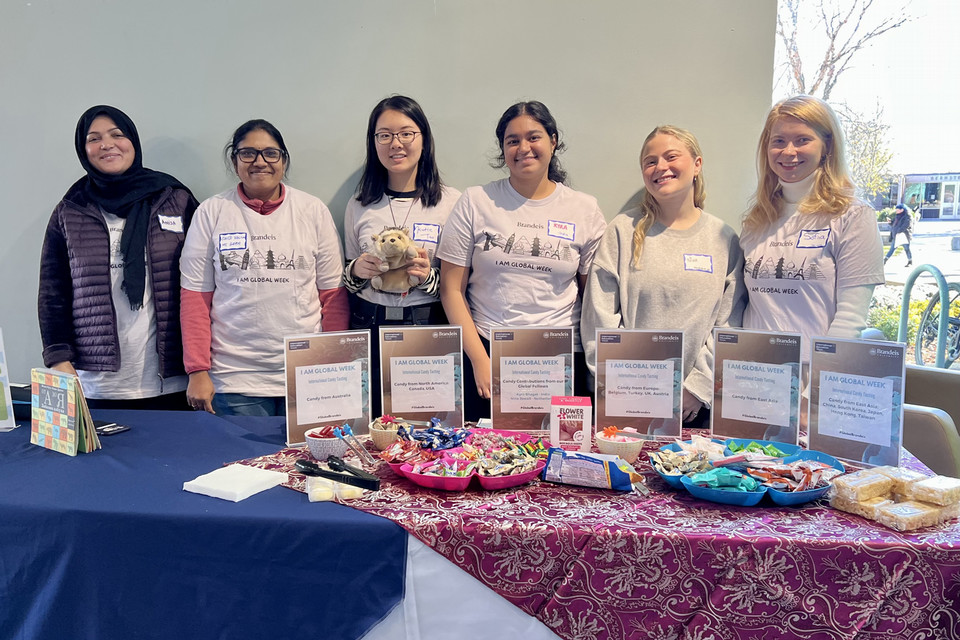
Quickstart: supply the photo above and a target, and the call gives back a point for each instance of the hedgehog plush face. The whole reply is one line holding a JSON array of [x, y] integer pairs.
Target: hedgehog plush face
[[395, 250]]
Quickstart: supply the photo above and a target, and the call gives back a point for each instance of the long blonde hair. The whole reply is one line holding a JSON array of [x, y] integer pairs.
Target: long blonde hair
[[832, 190], [649, 207]]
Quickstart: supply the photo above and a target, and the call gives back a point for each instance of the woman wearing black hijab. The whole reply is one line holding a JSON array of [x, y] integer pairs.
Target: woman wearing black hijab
[[109, 302]]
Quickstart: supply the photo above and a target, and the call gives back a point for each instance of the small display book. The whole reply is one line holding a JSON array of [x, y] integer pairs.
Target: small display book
[[60, 418]]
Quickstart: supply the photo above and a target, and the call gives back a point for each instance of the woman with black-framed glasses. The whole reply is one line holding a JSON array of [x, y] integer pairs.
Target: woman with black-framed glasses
[[262, 261], [109, 307], [400, 188]]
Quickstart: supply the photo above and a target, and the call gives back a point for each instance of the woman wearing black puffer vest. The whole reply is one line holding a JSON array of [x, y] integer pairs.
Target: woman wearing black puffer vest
[[109, 302]]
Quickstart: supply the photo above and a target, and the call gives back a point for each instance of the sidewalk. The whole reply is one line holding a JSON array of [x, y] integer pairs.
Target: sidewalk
[[931, 245]]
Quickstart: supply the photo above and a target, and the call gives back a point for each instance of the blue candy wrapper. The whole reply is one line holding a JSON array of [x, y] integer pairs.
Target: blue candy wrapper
[[590, 470]]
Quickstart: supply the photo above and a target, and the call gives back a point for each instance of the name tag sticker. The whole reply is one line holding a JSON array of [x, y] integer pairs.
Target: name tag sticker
[[560, 229], [813, 238], [697, 262], [425, 232], [171, 223], [233, 241]]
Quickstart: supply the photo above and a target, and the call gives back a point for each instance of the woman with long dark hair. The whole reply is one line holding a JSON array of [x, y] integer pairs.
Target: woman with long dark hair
[[539, 282], [400, 190]]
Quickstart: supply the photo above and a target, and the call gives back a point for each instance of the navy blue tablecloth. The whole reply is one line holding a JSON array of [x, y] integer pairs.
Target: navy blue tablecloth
[[108, 545]]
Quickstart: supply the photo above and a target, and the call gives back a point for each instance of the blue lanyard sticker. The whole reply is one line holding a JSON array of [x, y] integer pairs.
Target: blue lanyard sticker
[[698, 262], [233, 241], [425, 232], [813, 238]]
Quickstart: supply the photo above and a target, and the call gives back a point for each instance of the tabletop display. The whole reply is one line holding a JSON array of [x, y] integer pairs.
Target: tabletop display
[[594, 563]]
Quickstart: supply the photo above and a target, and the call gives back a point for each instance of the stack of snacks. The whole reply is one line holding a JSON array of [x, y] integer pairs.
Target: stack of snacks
[[436, 438], [799, 475], [496, 454], [679, 463], [404, 451], [897, 498]]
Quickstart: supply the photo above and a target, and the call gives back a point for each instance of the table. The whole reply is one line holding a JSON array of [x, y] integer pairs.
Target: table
[[595, 564], [107, 545]]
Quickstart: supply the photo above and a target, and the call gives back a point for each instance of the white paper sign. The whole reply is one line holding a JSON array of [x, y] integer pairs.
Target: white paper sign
[[422, 384], [527, 384], [856, 407], [756, 392], [640, 388], [329, 392]]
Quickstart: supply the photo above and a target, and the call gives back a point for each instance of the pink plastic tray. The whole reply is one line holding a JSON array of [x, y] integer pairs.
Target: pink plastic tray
[[492, 483], [444, 483]]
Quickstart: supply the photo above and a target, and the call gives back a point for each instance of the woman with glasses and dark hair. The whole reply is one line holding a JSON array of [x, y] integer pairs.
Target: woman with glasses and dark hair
[[517, 251], [400, 189], [262, 261], [109, 304]]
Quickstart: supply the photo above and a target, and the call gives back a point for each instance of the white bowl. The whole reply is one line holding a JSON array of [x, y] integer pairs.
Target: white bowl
[[321, 448]]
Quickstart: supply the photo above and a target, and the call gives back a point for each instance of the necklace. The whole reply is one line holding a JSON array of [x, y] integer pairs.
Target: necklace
[[413, 201]]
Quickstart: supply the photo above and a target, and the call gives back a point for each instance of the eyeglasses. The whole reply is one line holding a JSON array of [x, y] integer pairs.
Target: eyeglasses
[[249, 154], [405, 137]]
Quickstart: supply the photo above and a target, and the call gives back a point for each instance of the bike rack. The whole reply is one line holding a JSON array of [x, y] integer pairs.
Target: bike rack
[[944, 309]]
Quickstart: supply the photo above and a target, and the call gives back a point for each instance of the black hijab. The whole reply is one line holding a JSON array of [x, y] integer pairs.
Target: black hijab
[[128, 195]]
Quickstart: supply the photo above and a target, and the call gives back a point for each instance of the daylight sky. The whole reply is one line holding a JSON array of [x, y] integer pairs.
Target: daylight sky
[[914, 73]]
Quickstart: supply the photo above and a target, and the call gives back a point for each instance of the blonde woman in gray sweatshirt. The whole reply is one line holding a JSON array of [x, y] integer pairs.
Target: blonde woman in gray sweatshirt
[[668, 264]]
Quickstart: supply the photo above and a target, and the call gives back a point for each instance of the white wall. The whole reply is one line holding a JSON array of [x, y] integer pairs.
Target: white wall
[[189, 71]]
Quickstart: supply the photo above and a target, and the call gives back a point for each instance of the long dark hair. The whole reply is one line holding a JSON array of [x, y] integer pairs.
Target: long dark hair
[[373, 183], [539, 112], [257, 124]]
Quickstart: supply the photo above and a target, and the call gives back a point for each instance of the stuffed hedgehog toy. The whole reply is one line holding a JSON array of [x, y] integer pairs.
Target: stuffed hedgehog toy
[[395, 249]]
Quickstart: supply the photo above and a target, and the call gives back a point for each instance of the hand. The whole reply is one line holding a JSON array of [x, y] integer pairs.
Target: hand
[[419, 267], [200, 391], [481, 374], [690, 406], [65, 367], [366, 266]]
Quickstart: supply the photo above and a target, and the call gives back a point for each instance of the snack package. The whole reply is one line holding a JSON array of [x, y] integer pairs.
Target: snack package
[[861, 486], [907, 516], [323, 490], [866, 509], [902, 478], [590, 470], [941, 490]]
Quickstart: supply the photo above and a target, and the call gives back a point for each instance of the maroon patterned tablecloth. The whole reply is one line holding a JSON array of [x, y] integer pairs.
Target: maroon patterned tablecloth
[[594, 564]]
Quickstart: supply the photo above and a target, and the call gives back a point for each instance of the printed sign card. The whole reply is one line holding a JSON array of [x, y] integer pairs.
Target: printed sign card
[[327, 382], [529, 366], [7, 420], [856, 400], [571, 422], [639, 381], [756, 385], [421, 373], [60, 419]]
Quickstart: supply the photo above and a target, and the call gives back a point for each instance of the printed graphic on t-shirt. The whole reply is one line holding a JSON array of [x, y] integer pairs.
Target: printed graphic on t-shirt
[[780, 268], [257, 257], [536, 247]]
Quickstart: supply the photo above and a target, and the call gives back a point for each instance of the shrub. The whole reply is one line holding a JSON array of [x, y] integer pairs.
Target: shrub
[[885, 316], [885, 215]]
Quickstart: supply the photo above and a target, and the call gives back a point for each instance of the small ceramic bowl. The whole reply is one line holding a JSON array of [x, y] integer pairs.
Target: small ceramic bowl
[[629, 450], [321, 448]]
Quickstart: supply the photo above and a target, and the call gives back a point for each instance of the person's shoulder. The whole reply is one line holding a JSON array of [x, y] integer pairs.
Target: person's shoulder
[[718, 225], [449, 195], [571, 193]]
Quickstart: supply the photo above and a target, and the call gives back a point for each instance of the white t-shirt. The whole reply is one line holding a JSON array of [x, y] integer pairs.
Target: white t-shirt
[[424, 224], [793, 269], [139, 373], [524, 255], [264, 271]]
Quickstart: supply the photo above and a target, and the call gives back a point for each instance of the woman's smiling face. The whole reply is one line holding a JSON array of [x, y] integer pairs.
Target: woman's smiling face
[[108, 148]]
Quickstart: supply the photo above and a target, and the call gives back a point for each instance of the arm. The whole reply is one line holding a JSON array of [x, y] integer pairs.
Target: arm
[[336, 309], [851, 316], [733, 300], [55, 297], [195, 327], [600, 310], [453, 294]]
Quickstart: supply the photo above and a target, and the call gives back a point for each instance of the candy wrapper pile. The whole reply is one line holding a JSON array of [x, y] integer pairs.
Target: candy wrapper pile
[[897, 498]]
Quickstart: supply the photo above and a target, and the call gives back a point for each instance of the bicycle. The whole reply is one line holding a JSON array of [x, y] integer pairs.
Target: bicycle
[[929, 328]]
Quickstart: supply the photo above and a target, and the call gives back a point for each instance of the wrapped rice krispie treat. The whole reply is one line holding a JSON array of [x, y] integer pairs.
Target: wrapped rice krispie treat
[[902, 478], [860, 486], [907, 516], [939, 490], [866, 509]]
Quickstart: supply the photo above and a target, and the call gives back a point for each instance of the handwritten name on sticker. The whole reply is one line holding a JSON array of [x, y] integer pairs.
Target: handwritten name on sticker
[[560, 229], [232, 241], [171, 223], [425, 232], [697, 262], [813, 238]]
